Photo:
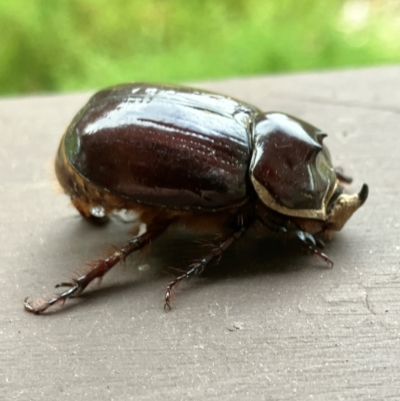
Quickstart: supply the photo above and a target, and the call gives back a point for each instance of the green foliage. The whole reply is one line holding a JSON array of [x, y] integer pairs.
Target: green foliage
[[50, 45]]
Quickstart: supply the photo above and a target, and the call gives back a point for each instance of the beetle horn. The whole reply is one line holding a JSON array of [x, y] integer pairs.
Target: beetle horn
[[363, 194], [345, 206]]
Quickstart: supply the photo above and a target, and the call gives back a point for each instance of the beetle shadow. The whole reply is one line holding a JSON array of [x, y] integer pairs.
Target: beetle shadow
[[250, 256], [269, 256], [171, 255]]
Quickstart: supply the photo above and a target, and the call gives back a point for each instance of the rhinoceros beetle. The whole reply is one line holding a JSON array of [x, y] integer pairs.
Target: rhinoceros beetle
[[178, 155]]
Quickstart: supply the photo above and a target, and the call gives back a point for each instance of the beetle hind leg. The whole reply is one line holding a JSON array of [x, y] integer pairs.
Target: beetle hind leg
[[97, 269], [198, 266]]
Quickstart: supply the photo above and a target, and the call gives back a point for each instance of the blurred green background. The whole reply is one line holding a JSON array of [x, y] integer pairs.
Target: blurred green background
[[64, 45]]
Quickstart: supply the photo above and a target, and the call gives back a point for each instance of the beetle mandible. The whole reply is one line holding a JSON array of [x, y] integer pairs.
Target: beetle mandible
[[178, 155]]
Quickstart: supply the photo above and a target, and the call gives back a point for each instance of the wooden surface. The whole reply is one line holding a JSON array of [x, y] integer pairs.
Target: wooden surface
[[268, 323]]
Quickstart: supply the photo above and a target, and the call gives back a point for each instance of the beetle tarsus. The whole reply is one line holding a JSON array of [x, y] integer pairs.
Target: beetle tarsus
[[97, 270], [40, 305], [196, 269], [322, 256], [311, 243], [198, 266], [64, 284]]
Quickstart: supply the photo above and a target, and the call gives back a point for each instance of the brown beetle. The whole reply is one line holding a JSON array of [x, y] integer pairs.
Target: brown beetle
[[177, 155]]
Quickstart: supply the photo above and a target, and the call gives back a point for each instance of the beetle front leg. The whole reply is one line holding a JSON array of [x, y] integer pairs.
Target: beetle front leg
[[198, 266], [341, 176], [98, 269], [310, 244]]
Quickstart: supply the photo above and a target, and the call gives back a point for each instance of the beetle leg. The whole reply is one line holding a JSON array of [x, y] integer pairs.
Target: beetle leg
[[310, 243], [272, 225], [98, 269], [198, 266], [271, 220], [342, 177]]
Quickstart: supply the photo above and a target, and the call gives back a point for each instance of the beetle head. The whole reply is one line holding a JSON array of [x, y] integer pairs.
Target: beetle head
[[292, 173], [342, 207]]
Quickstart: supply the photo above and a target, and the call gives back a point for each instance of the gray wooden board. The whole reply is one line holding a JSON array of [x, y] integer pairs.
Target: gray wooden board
[[268, 323]]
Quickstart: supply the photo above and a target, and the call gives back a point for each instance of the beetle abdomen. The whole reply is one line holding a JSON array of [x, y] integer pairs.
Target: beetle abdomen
[[164, 146]]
